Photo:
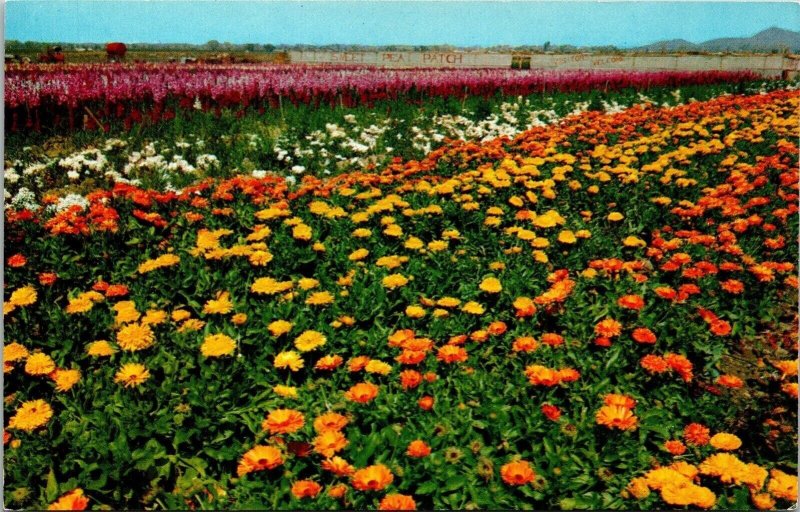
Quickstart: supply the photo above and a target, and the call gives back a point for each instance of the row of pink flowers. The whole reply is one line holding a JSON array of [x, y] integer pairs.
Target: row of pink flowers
[[116, 89]]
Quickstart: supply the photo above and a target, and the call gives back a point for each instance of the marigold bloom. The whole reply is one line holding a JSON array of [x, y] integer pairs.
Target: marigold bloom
[[552, 412], [615, 416], [131, 375], [338, 466], [696, 434], [289, 359], [643, 335], [425, 403], [330, 421], [65, 379], [217, 345], [73, 500], [309, 340], [620, 400], [680, 364], [418, 449], [100, 348], [14, 352], [379, 367], [675, 447], [517, 473], [635, 302], [259, 458], [134, 337], [24, 296], [763, 501], [393, 281], [31, 415], [39, 364], [362, 392], [222, 305], [525, 307], [539, 375], [451, 354], [730, 381], [330, 362], [497, 328], [372, 478], [725, 441], [473, 308], [491, 285], [283, 421], [279, 327], [654, 364], [552, 339], [328, 442], [782, 485], [320, 299], [410, 379], [524, 344], [608, 328], [638, 488], [397, 502], [306, 489]]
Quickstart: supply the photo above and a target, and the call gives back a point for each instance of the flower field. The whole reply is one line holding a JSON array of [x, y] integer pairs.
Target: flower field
[[593, 312]]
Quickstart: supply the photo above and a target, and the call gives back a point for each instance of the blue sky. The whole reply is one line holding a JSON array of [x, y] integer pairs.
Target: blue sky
[[622, 24]]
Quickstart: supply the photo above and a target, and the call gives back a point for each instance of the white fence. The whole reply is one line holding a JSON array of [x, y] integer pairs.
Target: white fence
[[767, 65]]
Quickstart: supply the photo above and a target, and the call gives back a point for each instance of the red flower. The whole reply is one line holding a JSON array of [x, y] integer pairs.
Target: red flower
[[552, 412], [16, 261]]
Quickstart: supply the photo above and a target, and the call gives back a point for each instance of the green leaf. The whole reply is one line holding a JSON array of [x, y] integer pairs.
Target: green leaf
[[51, 491]]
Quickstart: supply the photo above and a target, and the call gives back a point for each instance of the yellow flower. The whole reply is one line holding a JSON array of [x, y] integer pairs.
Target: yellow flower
[[14, 352], [65, 379], [135, 337], [31, 415], [100, 348], [438, 246], [394, 231], [589, 273], [540, 256], [394, 281], [782, 485], [307, 283], [414, 311], [319, 299], [638, 488], [289, 359], [279, 327], [39, 364], [379, 367], [260, 258], [180, 315], [239, 319], [131, 375], [633, 241], [413, 243], [301, 232], [358, 255], [222, 305], [615, 217], [473, 308], [269, 286], [725, 441], [309, 340], [491, 285], [217, 345], [193, 324], [391, 262], [361, 233], [549, 219], [126, 312], [285, 391], [567, 237], [24, 296], [154, 317], [165, 260], [448, 302]]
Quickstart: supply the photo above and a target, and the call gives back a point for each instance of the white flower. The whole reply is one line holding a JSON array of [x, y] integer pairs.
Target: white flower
[[73, 175], [259, 173], [298, 169]]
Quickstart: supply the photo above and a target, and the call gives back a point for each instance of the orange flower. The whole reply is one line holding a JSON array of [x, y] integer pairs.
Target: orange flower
[[497, 328], [608, 328], [517, 473], [425, 403], [330, 421], [73, 500], [329, 363], [372, 478], [539, 375], [675, 447], [732, 286], [338, 466], [305, 489], [643, 335], [552, 412], [615, 416], [635, 302], [356, 364], [552, 339], [524, 344], [680, 364], [654, 364], [328, 442], [418, 449], [259, 458], [362, 392], [696, 434], [337, 491], [525, 307], [620, 400], [730, 381], [410, 379], [283, 421], [397, 502], [451, 354], [720, 327]]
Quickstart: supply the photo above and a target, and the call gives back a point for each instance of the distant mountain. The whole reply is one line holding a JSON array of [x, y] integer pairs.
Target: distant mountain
[[773, 39]]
